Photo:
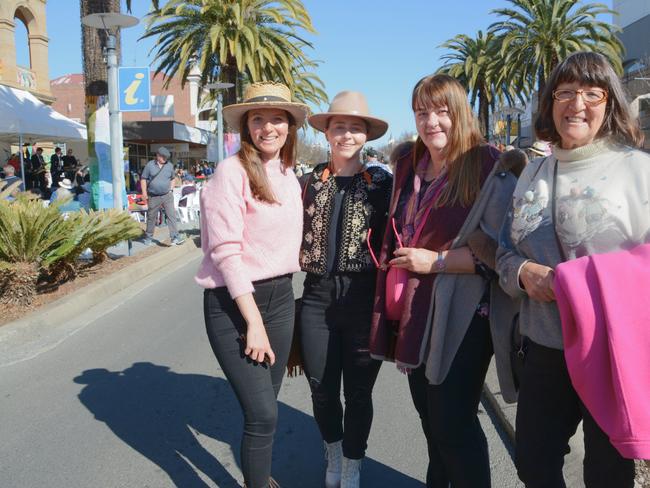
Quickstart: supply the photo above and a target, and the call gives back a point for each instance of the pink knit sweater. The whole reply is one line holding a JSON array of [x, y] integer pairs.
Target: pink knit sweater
[[243, 239]]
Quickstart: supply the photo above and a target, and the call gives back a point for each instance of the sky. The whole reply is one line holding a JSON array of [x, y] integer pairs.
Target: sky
[[378, 47]]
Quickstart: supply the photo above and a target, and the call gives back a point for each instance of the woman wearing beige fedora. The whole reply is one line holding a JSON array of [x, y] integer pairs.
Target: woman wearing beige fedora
[[251, 221], [345, 215]]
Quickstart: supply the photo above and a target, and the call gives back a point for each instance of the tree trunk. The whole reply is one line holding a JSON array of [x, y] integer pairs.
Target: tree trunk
[[484, 114], [541, 84], [19, 283], [229, 74], [95, 79]]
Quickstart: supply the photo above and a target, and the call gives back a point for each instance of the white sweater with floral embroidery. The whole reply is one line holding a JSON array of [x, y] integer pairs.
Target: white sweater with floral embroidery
[[602, 205]]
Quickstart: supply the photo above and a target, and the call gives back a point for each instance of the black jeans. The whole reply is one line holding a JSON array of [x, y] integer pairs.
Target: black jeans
[[335, 335], [548, 413], [256, 385], [458, 451]]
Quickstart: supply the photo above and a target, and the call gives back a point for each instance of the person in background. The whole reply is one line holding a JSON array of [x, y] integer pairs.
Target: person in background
[[84, 196], [433, 305], [157, 183], [36, 171], [10, 178], [251, 222], [372, 160], [188, 187], [64, 190], [56, 167], [14, 161], [539, 148], [207, 170], [589, 197], [69, 165], [345, 214]]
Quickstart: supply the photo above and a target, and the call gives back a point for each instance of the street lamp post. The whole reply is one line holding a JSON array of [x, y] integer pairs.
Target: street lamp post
[[219, 86], [108, 21]]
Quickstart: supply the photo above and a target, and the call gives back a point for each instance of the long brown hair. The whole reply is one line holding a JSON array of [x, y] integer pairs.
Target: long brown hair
[[250, 159], [463, 150], [592, 69]]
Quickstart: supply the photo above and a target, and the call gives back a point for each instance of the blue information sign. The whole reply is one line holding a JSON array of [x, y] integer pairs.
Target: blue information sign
[[135, 89]]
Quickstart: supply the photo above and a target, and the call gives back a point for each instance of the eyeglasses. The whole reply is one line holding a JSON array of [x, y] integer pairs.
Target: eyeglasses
[[397, 236], [590, 97]]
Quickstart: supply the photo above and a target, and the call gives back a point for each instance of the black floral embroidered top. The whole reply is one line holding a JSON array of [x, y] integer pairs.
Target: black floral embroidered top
[[364, 206]]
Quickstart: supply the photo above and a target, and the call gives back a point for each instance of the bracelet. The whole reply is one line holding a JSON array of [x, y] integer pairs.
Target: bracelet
[[440, 265]]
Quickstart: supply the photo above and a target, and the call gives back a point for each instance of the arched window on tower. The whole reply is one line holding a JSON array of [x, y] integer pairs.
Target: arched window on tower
[[25, 74]]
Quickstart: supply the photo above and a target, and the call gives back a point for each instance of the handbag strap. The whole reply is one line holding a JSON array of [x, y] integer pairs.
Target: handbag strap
[[159, 170], [553, 210]]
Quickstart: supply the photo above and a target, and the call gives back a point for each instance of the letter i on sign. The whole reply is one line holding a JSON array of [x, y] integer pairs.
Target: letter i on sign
[[130, 98]]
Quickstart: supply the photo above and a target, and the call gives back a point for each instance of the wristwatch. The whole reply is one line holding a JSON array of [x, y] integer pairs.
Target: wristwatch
[[440, 262]]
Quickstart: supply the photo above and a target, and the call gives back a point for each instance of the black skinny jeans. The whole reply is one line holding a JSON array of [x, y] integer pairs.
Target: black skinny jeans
[[256, 385], [548, 413], [335, 335], [458, 450]]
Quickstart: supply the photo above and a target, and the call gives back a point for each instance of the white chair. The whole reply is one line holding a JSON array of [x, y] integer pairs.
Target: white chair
[[183, 212], [193, 205], [176, 192]]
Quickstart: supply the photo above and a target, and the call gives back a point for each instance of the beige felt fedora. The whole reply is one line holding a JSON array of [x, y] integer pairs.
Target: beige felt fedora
[[354, 104], [265, 94]]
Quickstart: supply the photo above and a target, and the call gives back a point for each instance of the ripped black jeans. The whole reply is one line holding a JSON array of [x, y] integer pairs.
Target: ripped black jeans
[[335, 333]]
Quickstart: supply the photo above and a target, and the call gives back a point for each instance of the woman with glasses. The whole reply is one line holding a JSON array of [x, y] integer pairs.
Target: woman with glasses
[[251, 221], [589, 197], [436, 299], [345, 207]]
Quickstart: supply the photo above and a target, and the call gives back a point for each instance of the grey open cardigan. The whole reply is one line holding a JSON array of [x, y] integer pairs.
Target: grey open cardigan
[[456, 296]]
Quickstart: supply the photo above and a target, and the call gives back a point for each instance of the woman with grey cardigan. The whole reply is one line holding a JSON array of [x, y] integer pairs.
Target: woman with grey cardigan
[[589, 197], [448, 187]]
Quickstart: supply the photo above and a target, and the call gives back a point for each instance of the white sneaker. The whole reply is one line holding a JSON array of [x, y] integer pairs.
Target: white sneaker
[[350, 473], [333, 456]]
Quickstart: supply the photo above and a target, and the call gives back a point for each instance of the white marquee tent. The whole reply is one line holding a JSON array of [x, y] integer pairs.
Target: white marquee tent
[[24, 118]]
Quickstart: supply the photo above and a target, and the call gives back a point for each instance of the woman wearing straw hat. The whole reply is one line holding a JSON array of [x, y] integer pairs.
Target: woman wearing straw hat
[[345, 214], [251, 217]]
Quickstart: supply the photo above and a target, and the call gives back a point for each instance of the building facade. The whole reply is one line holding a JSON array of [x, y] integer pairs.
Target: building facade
[[634, 20], [176, 120], [35, 77]]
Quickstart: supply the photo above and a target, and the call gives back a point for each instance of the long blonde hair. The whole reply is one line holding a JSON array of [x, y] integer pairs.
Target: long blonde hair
[[250, 159], [463, 150]]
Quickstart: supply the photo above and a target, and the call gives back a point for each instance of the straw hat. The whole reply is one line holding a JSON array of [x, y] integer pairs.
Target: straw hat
[[265, 94], [350, 103], [539, 147]]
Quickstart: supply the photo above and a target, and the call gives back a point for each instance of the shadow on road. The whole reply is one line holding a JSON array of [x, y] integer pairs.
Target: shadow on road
[[163, 414]]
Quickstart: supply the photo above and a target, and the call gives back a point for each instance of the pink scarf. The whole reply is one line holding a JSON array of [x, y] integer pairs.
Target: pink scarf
[[417, 205]]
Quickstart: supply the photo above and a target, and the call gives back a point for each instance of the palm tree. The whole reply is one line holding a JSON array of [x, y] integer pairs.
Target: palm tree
[[95, 78], [471, 61], [236, 41], [536, 35]]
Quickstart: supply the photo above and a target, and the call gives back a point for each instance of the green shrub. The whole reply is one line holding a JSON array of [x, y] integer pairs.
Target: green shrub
[[34, 238]]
